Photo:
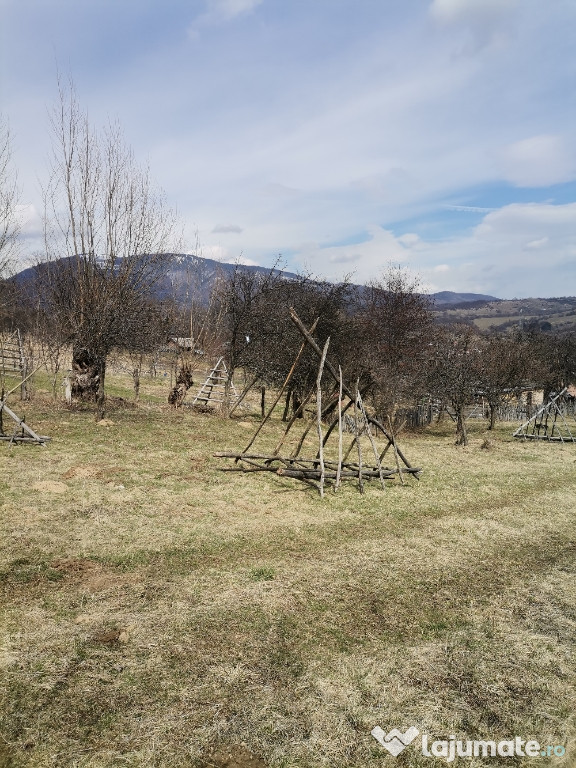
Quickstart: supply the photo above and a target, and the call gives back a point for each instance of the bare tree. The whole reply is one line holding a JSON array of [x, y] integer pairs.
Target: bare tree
[[454, 370], [235, 300], [394, 323], [9, 224], [503, 369], [259, 335], [108, 236]]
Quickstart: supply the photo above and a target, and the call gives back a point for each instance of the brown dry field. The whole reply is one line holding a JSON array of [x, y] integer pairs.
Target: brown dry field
[[159, 612]]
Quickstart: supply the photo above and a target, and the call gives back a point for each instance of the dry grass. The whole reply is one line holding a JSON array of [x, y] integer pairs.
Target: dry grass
[[158, 612]]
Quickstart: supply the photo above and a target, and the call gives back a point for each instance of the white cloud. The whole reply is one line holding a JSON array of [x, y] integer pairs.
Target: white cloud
[[224, 255], [222, 11], [310, 122], [344, 258], [30, 221], [470, 10], [227, 229], [228, 9], [535, 244], [469, 208], [538, 161], [409, 239], [512, 250], [484, 22]]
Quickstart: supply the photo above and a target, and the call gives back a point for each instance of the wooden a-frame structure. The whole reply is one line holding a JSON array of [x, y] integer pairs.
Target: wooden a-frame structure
[[213, 390], [325, 468], [12, 361], [13, 366], [548, 423]]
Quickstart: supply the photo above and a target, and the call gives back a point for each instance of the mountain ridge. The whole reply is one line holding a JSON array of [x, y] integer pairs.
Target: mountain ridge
[[189, 273], [190, 278]]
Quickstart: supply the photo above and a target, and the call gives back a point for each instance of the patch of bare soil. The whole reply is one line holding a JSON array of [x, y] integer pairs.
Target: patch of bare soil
[[234, 757], [81, 472], [50, 486], [110, 636], [75, 566]]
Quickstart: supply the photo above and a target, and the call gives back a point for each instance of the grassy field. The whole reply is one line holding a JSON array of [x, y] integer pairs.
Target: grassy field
[[159, 612]]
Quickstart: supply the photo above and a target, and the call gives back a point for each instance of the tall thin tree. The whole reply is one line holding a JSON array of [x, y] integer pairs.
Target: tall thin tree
[[115, 232]]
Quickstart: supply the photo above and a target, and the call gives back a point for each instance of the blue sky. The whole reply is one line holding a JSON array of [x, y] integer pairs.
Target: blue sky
[[342, 134]]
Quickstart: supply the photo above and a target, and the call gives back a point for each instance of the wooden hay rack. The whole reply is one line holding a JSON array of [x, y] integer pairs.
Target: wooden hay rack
[[322, 469], [548, 423]]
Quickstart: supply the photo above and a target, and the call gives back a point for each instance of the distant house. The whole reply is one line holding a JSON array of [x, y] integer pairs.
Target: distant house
[[182, 344]]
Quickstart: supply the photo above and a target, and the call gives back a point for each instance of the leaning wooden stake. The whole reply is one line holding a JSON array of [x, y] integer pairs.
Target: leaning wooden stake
[[357, 436], [395, 450], [293, 418], [319, 414], [304, 434], [284, 385], [36, 438], [245, 391], [339, 470], [372, 443]]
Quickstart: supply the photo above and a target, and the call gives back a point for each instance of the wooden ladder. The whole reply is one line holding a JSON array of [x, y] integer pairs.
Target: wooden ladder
[[214, 389], [12, 360]]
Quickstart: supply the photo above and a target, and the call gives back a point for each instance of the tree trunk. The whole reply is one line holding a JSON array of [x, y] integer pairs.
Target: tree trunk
[[136, 377], [227, 389], [296, 405], [84, 375], [287, 405], [461, 434], [441, 414], [183, 383], [101, 396], [493, 415]]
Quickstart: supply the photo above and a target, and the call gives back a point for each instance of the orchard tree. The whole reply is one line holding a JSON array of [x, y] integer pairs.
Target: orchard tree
[[394, 326], [258, 334], [9, 224], [108, 233], [454, 370], [503, 370]]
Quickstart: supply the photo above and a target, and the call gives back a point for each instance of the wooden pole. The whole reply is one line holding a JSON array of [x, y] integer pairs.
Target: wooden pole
[[319, 414], [293, 418], [283, 387], [245, 391], [22, 424], [287, 405], [357, 436], [339, 470], [372, 443], [395, 451]]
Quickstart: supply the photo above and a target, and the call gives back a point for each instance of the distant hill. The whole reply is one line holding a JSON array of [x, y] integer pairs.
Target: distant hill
[[448, 298], [558, 314], [190, 276]]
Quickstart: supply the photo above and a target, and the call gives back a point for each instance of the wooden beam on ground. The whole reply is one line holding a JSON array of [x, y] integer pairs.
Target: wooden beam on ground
[[22, 424]]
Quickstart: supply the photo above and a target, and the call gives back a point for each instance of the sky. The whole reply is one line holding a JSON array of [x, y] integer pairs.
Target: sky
[[340, 136]]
